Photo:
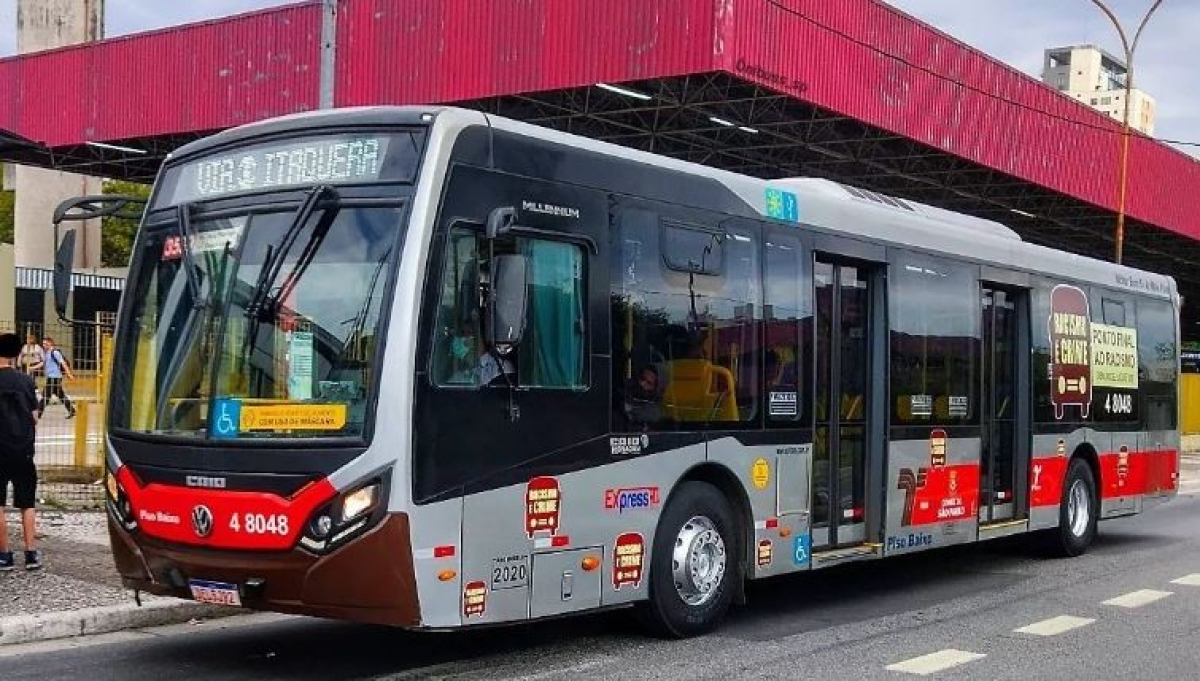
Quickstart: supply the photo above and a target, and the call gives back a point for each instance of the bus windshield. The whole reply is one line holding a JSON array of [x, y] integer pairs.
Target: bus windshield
[[272, 335]]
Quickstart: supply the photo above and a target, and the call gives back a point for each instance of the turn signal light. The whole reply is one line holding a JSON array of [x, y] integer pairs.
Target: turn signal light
[[590, 563], [785, 532], [446, 575]]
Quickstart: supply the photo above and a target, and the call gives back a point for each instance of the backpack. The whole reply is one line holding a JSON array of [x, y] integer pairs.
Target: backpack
[[17, 427]]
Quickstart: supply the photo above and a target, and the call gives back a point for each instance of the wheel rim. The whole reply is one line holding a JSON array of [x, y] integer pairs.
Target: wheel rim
[[698, 561], [1079, 511]]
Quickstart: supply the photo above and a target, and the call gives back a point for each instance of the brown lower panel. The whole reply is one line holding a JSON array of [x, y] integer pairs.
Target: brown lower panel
[[371, 579]]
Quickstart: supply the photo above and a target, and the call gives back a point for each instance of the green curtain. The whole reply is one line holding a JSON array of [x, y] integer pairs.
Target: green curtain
[[553, 348]]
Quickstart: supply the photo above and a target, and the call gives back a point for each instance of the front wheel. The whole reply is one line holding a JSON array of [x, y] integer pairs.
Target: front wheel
[[1078, 512], [694, 563]]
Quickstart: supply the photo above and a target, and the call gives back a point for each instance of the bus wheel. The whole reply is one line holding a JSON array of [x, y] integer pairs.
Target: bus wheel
[[1077, 513], [693, 564]]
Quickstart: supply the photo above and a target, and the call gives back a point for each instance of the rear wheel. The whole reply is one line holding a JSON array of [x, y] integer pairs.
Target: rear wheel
[[1078, 512], [694, 563]]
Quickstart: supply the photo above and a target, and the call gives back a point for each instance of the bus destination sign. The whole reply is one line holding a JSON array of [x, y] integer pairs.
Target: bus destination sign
[[308, 161]]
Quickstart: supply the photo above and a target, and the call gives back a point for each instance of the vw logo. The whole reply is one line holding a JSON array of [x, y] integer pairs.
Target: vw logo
[[202, 521]]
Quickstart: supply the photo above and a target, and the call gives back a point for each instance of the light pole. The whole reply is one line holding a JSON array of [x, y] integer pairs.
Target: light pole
[[1130, 48]]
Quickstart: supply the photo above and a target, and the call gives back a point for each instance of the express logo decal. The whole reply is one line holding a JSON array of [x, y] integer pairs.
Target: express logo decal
[[474, 599], [630, 499], [543, 506], [629, 553]]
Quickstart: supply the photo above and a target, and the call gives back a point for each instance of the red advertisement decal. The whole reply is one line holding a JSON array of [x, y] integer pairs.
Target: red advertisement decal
[[543, 506], [474, 599], [939, 495], [1070, 350], [765, 551], [629, 553]]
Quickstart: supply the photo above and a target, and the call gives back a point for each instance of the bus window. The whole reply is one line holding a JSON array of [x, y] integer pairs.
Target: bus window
[[1158, 363], [552, 352], [685, 339], [935, 340], [789, 322]]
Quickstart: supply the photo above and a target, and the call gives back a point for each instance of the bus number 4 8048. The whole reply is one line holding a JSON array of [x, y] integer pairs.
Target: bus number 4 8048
[[1118, 404], [258, 523]]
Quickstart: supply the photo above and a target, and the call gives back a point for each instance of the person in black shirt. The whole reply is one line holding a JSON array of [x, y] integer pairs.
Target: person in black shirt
[[18, 421]]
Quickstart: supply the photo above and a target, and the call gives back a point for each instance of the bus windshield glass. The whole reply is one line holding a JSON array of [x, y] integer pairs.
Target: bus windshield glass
[[273, 335]]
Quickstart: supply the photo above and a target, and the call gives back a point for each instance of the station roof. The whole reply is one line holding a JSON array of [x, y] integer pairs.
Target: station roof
[[853, 90]]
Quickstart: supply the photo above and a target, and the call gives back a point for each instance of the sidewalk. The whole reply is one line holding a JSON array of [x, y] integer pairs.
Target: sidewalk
[[77, 591]]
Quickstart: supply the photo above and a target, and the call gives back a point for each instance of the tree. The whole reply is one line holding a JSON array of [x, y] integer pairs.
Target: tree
[[116, 235], [8, 221]]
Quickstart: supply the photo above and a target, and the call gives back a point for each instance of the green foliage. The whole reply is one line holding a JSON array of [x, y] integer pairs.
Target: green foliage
[[117, 234], [7, 216]]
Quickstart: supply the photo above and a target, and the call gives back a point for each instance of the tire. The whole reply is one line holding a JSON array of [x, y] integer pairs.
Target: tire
[[1075, 534], [697, 517]]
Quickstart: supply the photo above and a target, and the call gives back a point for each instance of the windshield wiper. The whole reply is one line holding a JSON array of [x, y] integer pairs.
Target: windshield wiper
[[273, 262], [185, 247]]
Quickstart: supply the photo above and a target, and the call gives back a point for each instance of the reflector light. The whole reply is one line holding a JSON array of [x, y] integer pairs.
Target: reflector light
[[590, 563], [443, 551], [446, 575]]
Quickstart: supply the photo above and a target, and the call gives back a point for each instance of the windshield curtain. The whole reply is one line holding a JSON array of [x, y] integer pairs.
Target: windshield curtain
[[232, 354]]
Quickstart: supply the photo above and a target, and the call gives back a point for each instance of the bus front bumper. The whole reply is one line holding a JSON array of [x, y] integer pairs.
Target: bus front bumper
[[370, 579]]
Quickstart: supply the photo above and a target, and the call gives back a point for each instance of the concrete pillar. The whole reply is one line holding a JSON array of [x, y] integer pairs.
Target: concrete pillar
[[8, 289], [42, 25]]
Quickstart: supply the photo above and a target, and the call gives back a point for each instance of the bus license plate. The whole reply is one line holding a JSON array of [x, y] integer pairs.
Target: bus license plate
[[217, 593]]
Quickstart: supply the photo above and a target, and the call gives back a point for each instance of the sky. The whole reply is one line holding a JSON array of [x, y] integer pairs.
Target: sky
[[1014, 31]]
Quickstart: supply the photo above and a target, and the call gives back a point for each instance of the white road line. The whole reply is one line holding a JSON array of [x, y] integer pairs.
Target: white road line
[[1055, 625], [935, 662], [1190, 580], [1137, 599]]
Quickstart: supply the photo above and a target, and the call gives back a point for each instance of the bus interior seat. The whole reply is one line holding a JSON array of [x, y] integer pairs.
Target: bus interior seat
[[690, 394]]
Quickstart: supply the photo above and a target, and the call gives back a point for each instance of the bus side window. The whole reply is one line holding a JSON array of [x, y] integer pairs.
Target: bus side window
[[552, 352]]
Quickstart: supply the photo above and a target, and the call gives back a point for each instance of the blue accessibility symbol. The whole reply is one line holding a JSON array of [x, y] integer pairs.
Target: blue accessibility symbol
[[800, 549], [227, 418]]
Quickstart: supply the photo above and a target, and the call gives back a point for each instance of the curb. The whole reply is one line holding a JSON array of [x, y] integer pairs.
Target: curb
[[88, 621]]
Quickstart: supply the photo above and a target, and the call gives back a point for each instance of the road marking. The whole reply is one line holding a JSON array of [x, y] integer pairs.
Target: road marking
[[1190, 580], [935, 662], [1137, 599], [1055, 625]]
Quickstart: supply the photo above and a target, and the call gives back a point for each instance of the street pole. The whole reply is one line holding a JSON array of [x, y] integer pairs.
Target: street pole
[[1130, 49]]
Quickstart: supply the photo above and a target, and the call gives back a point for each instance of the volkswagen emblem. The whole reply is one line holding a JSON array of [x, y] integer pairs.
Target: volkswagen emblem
[[202, 521]]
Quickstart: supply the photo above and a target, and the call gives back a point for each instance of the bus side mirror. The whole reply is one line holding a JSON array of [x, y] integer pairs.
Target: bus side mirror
[[64, 265], [500, 221], [507, 300]]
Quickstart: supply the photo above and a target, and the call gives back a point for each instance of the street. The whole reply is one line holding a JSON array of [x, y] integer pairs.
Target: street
[[966, 606]]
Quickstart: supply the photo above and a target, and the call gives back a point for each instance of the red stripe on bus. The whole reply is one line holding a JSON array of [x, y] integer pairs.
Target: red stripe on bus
[[234, 520], [1144, 472]]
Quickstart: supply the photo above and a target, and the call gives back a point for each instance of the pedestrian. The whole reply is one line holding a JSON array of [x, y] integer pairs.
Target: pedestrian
[[32, 357], [18, 423], [56, 367]]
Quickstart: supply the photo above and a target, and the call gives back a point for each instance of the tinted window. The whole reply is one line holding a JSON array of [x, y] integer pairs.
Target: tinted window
[[934, 339], [551, 355], [1158, 362], [789, 324], [685, 345]]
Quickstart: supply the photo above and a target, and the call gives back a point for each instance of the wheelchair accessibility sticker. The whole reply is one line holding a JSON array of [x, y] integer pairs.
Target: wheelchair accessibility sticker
[[800, 549], [227, 418]]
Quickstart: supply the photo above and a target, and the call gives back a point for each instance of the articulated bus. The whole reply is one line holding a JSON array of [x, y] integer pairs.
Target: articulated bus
[[434, 368]]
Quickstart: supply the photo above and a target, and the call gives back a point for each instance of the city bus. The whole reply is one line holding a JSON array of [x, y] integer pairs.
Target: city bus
[[432, 368]]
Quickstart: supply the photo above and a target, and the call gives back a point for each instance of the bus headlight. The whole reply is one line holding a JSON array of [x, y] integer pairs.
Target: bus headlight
[[358, 502], [118, 502], [347, 516]]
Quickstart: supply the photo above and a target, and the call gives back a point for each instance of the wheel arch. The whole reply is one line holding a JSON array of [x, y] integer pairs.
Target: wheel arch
[[1087, 452]]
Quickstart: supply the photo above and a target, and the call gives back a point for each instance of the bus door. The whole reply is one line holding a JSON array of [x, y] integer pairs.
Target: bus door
[[843, 293], [1004, 424]]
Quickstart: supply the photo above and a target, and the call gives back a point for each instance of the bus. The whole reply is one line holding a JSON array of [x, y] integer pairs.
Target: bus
[[432, 368]]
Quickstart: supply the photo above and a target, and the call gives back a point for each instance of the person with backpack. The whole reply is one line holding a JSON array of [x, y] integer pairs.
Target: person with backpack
[[56, 367], [18, 425]]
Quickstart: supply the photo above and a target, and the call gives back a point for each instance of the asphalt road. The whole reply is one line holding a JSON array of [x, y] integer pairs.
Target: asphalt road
[[963, 605]]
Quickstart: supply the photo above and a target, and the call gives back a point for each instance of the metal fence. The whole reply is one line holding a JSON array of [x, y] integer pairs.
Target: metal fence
[[69, 448]]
